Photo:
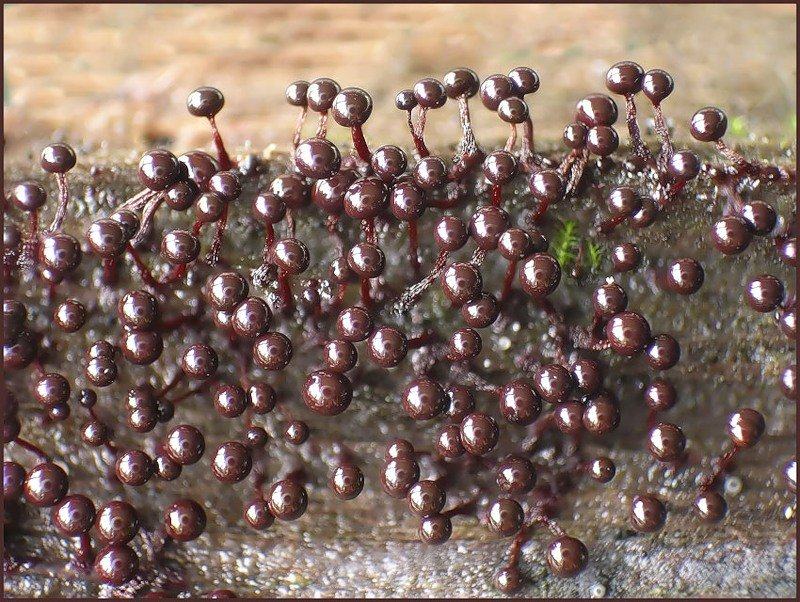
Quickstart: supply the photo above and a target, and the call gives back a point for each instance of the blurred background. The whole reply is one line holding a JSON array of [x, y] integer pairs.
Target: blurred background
[[116, 76]]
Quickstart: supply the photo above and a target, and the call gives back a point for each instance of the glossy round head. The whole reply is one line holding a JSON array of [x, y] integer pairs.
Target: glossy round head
[[290, 255], [181, 195], [684, 165], [505, 516], [450, 233], [547, 186], [574, 136], [184, 520], [117, 522], [74, 515], [116, 564], [513, 110], [199, 361], [387, 347], [647, 513], [495, 89], [500, 167], [628, 333], [461, 282], [134, 468], [28, 196], [352, 107], [602, 140], [764, 293], [272, 351], [57, 158], [435, 529], [297, 93], [200, 166], [745, 427], [51, 389], [398, 475], [761, 216], [425, 498], [327, 393], [180, 247], [540, 275], [317, 158], [625, 78], [354, 324], [479, 433], [328, 194], [205, 102], [609, 299], [366, 260], [430, 173], [430, 93], [553, 382], [709, 124], [291, 189], [685, 276], [487, 225], [626, 257], [566, 556], [320, 94], [515, 244], [140, 348], [389, 162], [138, 310], [231, 462], [731, 235], [226, 185], [407, 201], [596, 110], [515, 475], [366, 198], [461, 83], [424, 399], [657, 85], [346, 481], [287, 500], [60, 252], [666, 442], [710, 507], [624, 200], [663, 352], [158, 169], [405, 100], [525, 79]]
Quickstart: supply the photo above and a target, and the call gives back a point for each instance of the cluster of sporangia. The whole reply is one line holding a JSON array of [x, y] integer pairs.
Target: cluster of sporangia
[[374, 188]]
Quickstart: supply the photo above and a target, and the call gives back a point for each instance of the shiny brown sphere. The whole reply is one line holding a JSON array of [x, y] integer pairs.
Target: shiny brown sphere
[[430, 93], [430, 173], [328, 194], [60, 252], [574, 136], [460, 402], [647, 513], [117, 522], [185, 444], [199, 361], [181, 195], [525, 79], [495, 89], [745, 427], [262, 397], [405, 100], [628, 333], [709, 124], [660, 395], [327, 393], [291, 189], [731, 235], [479, 433], [547, 186], [158, 169], [13, 480], [352, 107], [461, 282], [465, 344], [666, 442], [138, 310], [28, 196], [450, 233], [231, 462], [601, 469], [435, 529], [500, 167], [425, 498], [609, 299], [596, 110], [624, 200], [602, 140], [251, 318], [287, 500], [540, 275], [134, 467], [764, 293], [101, 371], [51, 389], [184, 520], [684, 276], [398, 448], [116, 564], [366, 198], [566, 556], [205, 102], [424, 399], [505, 516], [657, 85], [106, 238], [200, 166], [45, 485], [407, 201], [74, 515], [515, 244], [481, 311], [398, 475], [515, 475], [320, 94], [461, 83], [354, 324], [339, 355], [57, 158], [366, 260], [387, 347], [296, 93], [553, 382], [625, 78], [290, 255], [180, 247], [663, 352], [710, 507], [346, 481], [230, 401], [141, 348], [272, 351], [226, 290], [448, 442], [317, 158], [568, 417], [513, 110], [600, 414], [389, 162], [683, 165], [626, 257], [588, 376], [258, 516], [761, 217]]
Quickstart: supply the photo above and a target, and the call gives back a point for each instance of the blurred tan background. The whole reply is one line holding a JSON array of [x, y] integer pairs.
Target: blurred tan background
[[119, 75]]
